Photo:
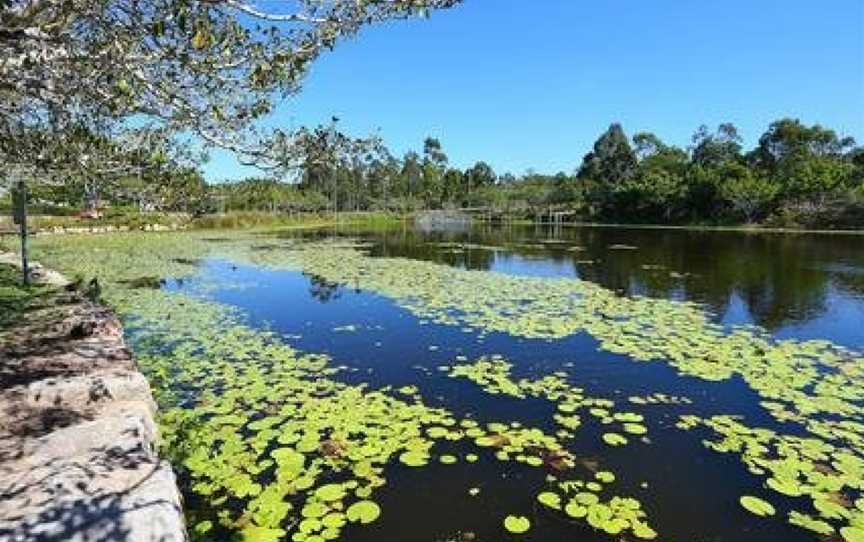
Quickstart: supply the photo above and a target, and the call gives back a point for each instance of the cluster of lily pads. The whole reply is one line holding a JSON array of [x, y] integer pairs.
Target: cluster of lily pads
[[812, 469], [266, 437], [262, 429], [297, 452], [808, 377], [580, 500], [493, 374]]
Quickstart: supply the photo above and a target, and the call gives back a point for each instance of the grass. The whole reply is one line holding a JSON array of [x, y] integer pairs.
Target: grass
[[133, 221], [255, 219], [231, 220], [15, 298]]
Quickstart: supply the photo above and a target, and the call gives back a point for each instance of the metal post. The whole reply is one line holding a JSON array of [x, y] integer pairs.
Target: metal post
[[20, 211]]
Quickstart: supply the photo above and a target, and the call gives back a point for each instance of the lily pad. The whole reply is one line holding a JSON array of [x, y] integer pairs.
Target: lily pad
[[517, 524], [550, 499], [757, 506], [614, 439], [852, 534], [363, 512]]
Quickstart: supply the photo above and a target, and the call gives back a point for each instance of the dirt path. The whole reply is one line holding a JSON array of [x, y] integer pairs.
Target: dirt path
[[77, 455]]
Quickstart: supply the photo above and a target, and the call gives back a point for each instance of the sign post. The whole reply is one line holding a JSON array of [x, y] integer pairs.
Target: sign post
[[19, 210]]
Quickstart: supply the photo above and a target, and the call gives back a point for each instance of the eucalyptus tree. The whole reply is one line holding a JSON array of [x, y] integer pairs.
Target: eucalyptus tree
[[715, 149], [331, 162], [478, 176]]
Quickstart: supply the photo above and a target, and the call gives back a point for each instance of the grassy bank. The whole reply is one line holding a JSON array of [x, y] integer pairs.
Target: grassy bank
[[132, 221], [232, 220], [268, 220], [15, 298], [245, 220]]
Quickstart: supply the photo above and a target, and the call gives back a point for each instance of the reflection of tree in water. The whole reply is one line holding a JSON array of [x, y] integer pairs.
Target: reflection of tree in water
[[777, 277], [782, 279], [322, 289]]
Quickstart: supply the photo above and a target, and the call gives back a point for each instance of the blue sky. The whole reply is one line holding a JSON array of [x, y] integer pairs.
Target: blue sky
[[531, 84]]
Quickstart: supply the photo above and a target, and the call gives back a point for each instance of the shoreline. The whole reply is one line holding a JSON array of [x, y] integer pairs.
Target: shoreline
[[732, 229], [267, 221], [78, 435]]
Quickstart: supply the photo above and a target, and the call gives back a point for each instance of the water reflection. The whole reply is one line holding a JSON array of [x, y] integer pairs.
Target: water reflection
[[322, 289], [773, 280]]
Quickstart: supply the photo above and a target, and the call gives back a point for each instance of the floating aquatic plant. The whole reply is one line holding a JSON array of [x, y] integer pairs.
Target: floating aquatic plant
[[493, 374], [757, 506], [517, 524], [279, 414], [363, 512]]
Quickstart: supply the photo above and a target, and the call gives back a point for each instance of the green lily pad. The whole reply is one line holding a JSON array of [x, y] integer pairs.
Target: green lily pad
[[757, 506], [614, 439], [810, 523], [605, 476], [643, 531], [852, 534], [313, 510], [330, 492], [253, 533], [575, 510], [635, 428], [517, 524], [414, 459], [363, 512], [785, 486], [550, 499], [333, 520]]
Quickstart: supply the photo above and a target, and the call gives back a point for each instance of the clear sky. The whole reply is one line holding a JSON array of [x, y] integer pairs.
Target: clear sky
[[532, 83]]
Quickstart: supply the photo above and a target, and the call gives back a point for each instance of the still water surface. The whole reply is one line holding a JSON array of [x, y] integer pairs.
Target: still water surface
[[793, 285]]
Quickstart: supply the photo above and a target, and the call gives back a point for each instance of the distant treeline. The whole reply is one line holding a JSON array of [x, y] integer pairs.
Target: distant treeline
[[797, 175]]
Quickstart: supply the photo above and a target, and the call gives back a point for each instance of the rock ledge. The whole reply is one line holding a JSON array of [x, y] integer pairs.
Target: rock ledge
[[77, 434]]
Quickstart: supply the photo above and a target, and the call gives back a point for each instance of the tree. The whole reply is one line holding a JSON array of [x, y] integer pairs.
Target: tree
[[434, 167], [612, 159], [714, 150], [411, 175], [210, 67], [808, 163], [646, 144], [452, 186], [658, 190], [477, 177], [747, 192], [788, 142]]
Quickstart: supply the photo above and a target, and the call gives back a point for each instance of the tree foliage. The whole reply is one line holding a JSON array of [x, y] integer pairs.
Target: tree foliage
[[207, 67]]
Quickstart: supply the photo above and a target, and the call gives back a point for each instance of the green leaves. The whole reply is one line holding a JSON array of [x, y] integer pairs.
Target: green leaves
[[331, 441], [517, 524], [330, 492], [614, 439], [550, 499], [852, 534], [363, 512], [757, 506]]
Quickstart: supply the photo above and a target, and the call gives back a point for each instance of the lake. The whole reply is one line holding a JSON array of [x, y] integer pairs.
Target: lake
[[500, 383]]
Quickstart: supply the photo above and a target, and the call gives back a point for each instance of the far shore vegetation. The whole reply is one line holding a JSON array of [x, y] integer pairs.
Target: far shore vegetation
[[797, 177]]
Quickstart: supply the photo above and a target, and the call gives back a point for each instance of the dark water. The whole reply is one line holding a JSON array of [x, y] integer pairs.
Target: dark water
[[802, 286]]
